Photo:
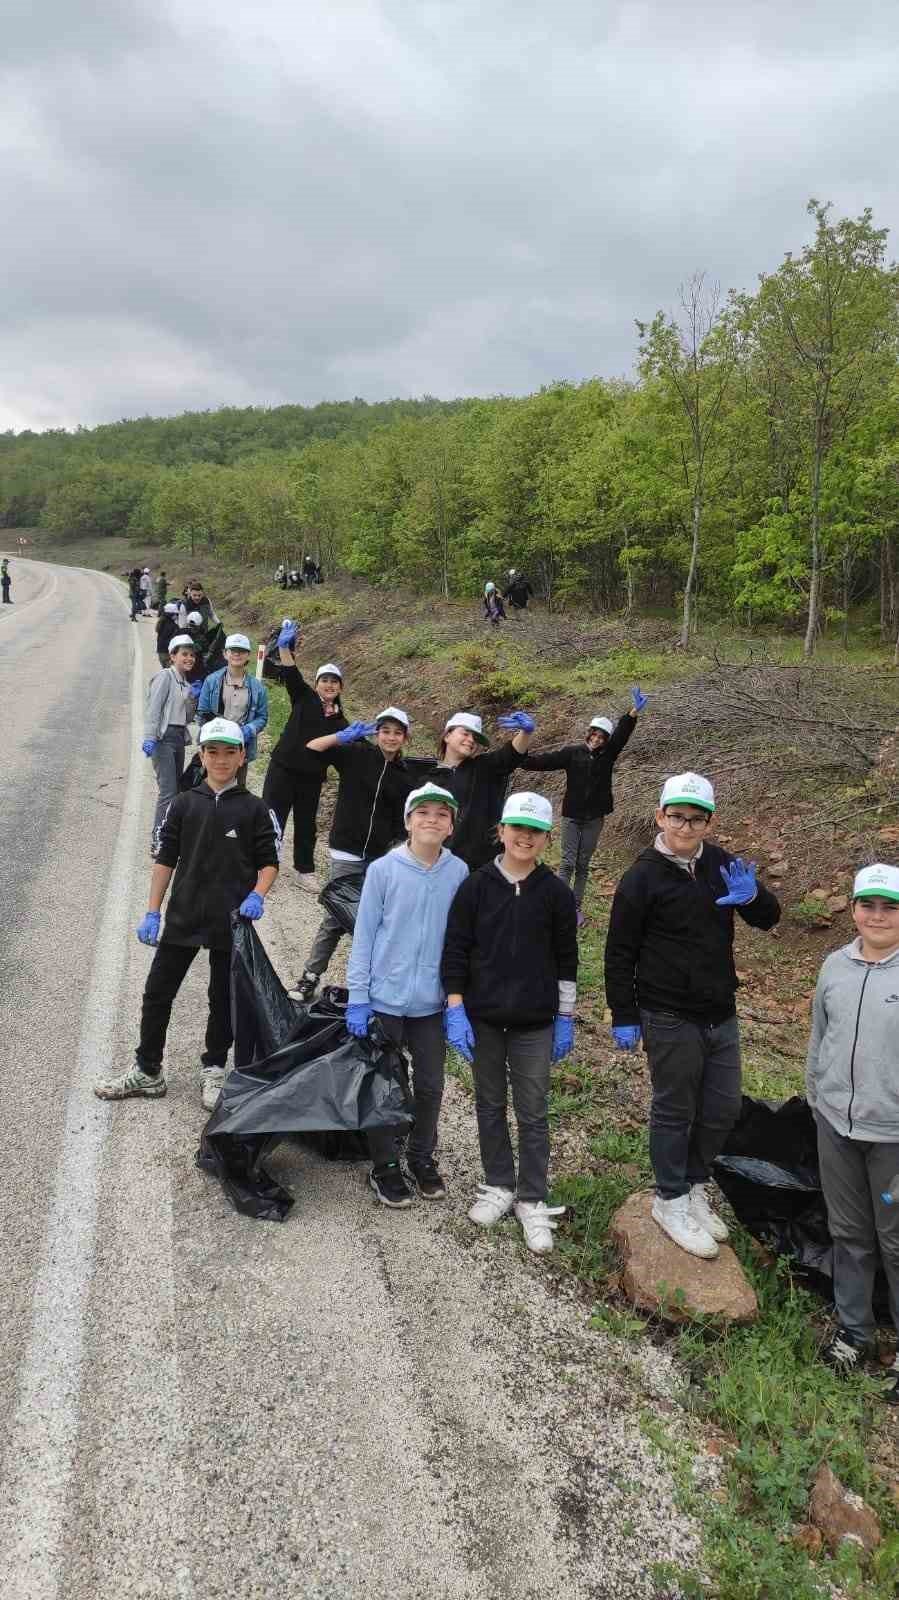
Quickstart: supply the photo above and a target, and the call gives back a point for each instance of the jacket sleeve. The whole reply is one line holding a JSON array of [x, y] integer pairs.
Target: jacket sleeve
[[166, 848], [295, 684], [266, 839], [208, 701], [257, 723], [623, 942], [819, 1028], [459, 940], [620, 734], [565, 932], [368, 919], [157, 694], [548, 760], [503, 758]]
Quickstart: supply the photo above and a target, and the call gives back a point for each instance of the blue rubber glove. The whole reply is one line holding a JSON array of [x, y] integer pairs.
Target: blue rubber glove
[[356, 730], [628, 1037], [739, 881], [458, 1030], [148, 928], [517, 722], [149, 747], [287, 638], [563, 1037], [638, 697], [251, 908], [196, 688], [358, 1019]]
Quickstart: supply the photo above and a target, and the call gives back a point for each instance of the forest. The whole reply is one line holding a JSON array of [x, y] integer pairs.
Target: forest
[[750, 468]]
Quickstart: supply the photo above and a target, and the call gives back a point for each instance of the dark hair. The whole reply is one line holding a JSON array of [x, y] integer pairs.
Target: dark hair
[[195, 583]]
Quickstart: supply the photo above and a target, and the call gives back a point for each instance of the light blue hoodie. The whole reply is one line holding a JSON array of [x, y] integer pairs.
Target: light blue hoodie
[[394, 964]]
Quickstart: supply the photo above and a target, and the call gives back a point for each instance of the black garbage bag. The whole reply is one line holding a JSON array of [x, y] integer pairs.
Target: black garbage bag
[[341, 897], [272, 670], [192, 775], [768, 1171]]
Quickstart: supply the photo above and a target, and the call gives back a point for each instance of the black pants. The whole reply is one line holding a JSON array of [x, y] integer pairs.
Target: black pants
[[6, 587], [170, 967], [695, 1072], [423, 1038], [285, 791]]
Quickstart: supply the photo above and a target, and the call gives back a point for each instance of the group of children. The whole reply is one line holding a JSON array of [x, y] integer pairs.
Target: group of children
[[464, 937]]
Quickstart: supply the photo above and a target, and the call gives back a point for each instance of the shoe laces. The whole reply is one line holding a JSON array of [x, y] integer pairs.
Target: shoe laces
[[843, 1352]]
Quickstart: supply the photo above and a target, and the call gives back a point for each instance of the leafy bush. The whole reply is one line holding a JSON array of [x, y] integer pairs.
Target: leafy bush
[[409, 644]]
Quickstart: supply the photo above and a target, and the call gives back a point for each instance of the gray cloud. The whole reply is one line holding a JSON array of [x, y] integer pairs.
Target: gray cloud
[[292, 201]]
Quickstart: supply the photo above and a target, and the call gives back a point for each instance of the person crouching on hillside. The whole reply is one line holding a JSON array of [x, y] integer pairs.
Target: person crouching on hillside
[[478, 777], [588, 789], [293, 782], [852, 1082], [393, 976], [510, 972], [221, 843], [670, 978]]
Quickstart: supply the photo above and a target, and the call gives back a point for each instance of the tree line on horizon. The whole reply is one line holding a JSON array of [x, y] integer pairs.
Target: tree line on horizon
[[753, 462]]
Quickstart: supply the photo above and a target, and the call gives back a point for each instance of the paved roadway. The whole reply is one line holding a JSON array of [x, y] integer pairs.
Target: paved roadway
[[353, 1404]]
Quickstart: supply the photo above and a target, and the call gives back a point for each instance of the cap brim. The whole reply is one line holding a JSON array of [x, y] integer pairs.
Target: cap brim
[[528, 822], [432, 800], [236, 744], [876, 894], [687, 800]]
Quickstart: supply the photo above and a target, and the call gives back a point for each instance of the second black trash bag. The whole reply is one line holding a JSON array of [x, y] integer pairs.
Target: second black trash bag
[[341, 897]]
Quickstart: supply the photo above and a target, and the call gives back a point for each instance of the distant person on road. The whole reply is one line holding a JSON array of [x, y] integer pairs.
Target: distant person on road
[[670, 980], [494, 610], [517, 591], [135, 592], [510, 972], [231, 693], [293, 782], [393, 977], [195, 598], [221, 843], [146, 589], [166, 628], [588, 789], [5, 581], [478, 778], [170, 709], [162, 591], [852, 1085]]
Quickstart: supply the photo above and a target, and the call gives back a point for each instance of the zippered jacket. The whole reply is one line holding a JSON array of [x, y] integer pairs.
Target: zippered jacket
[[164, 694], [669, 946], [400, 926], [588, 791], [307, 721], [852, 1072], [371, 795], [479, 783], [508, 946], [218, 846], [212, 701]]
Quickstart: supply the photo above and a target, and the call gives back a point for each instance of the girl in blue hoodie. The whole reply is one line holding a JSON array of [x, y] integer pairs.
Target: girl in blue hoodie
[[393, 975]]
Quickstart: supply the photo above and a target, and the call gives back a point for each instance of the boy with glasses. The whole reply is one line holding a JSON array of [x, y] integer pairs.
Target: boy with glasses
[[670, 979]]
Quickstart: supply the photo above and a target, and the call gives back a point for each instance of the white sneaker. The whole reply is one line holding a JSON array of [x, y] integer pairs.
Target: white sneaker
[[309, 882], [536, 1218], [211, 1080], [705, 1216], [676, 1218], [490, 1205]]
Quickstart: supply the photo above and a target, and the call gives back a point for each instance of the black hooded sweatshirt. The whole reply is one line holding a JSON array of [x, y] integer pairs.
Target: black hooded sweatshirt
[[508, 945], [479, 783], [218, 845], [371, 796], [307, 721], [669, 946], [588, 791]]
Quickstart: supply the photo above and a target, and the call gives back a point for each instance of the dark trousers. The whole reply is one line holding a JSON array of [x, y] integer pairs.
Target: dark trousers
[[854, 1174], [520, 1057], [285, 791], [579, 841], [696, 1096], [423, 1038], [170, 967], [5, 587]]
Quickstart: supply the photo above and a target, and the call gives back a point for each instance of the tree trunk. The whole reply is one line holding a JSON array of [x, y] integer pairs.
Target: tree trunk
[[847, 576], [814, 588], [686, 623], [887, 588], [629, 577]]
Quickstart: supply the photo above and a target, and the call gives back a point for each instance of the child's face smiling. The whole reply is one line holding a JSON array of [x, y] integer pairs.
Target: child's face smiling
[[429, 824], [877, 920], [390, 737], [221, 762], [683, 828], [523, 846]]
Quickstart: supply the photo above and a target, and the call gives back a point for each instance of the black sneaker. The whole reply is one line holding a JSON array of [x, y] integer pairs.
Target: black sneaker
[[427, 1179], [390, 1186], [844, 1352], [304, 988]]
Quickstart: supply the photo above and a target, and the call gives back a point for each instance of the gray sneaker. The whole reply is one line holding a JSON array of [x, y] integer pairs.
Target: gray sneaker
[[132, 1083], [211, 1080]]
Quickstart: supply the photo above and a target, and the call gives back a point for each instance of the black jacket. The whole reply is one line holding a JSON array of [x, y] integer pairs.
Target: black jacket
[[669, 946], [588, 791], [371, 795], [518, 592], [218, 848], [166, 628], [307, 721], [479, 783], [508, 945]]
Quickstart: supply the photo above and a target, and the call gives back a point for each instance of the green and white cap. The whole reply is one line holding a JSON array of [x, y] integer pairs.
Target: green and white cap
[[528, 811], [604, 724], [430, 792], [878, 881], [221, 730], [469, 720], [392, 714], [687, 789]]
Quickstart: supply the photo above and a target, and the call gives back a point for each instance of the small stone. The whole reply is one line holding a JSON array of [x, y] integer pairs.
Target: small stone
[[840, 1514], [658, 1276], [838, 902]]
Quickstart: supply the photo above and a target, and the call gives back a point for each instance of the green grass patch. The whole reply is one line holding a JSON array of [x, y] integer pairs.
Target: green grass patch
[[593, 1198], [302, 605], [418, 643]]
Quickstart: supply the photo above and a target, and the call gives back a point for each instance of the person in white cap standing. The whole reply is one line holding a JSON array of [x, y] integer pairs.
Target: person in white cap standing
[[293, 782], [479, 778], [670, 979], [231, 692], [588, 789], [852, 1083], [166, 628], [510, 972], [221, 843], [170, 709], [393, 977]]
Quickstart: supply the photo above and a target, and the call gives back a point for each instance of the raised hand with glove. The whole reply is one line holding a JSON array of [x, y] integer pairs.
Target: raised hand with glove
[[627, 1037], [251, 908], [290, 632], [355, 731], [458, 1030], [517, 722], [148, 927], [639, 699], [739, 881], [149, 747], [358, 1018], [563, 1037]]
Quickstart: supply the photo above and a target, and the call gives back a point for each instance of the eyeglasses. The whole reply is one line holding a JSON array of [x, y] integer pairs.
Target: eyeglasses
[[677, 820]]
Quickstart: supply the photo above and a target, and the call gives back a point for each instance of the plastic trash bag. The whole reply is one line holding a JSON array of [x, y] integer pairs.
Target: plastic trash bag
[[768, 1171], [272, 668], [341, 897]]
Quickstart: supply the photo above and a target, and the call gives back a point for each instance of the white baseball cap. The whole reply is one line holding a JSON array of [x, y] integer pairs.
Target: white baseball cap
[[687, 789], [880, 881], [603, 724], [195, 616], [329, 670], [468, 719], [221, 730], [395, 715], [172, 608], [182, 639], [528, 811], [237, 641], [432, 792]]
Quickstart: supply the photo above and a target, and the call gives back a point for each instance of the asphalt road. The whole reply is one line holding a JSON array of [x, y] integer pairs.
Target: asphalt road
[[354, 1403]]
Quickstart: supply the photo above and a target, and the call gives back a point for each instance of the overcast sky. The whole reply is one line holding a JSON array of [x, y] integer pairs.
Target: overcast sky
[[258, 201]]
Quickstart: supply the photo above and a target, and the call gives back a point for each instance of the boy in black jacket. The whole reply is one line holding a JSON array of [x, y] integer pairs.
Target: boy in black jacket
[[221, 843], [670, 976], [510, 971]]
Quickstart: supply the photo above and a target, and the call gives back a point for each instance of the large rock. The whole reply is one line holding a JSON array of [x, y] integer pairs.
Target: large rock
[[660, 1277], [840, 1514]]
